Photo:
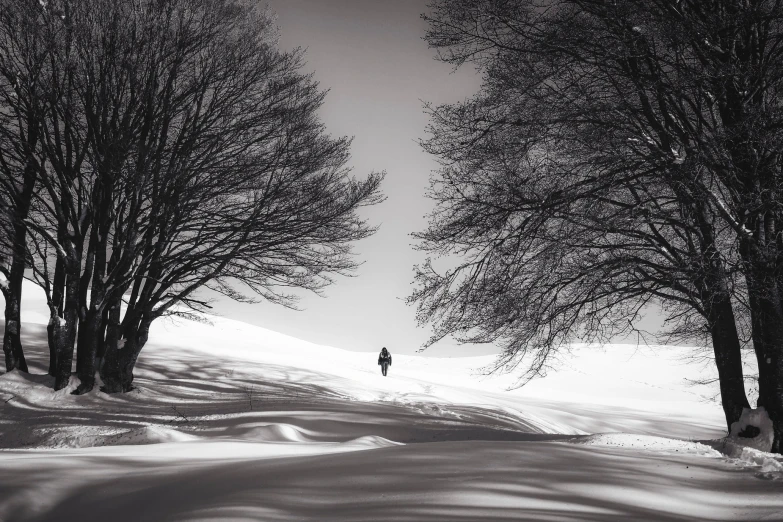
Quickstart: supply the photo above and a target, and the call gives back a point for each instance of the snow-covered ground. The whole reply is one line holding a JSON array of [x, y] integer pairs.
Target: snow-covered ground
[[234, 422]]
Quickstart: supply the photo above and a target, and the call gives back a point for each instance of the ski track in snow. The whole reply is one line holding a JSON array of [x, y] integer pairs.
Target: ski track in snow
[[279, 429]]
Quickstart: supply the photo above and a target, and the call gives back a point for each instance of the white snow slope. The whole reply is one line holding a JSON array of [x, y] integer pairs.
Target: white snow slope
[[233, 422]]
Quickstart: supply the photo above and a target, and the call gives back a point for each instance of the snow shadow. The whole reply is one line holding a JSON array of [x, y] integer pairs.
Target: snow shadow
[[456, 481], [252, 439], [231, 399]]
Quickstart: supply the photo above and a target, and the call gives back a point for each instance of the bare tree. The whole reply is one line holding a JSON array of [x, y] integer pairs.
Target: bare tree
[[739, 49], [61, 222], [183, 151], [22, 62], [577, 185]]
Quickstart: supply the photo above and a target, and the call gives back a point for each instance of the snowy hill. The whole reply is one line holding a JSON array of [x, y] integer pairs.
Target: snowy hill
[[234, 422]]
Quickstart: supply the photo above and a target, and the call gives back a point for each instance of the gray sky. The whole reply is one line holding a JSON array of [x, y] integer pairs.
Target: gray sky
[[371, 56]]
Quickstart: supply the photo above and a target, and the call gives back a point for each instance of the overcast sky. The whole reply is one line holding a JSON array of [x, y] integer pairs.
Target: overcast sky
[[371, 56]]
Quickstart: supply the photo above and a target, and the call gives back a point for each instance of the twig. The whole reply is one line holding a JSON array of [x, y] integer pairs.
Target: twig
[[179, 414], [249, 392]]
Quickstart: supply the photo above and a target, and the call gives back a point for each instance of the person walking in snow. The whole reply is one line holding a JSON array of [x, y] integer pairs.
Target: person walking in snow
[[384, 361]]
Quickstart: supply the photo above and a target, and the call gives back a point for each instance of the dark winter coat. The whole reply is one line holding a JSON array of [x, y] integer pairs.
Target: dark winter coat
[[386, 358]]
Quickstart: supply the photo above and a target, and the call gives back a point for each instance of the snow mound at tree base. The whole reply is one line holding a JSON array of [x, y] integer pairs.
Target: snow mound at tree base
[[768, 465], [759, 419]]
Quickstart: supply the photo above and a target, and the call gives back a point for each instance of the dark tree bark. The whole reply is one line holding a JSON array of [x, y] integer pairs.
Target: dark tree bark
[[65, 341], [90, 329], [728, 358], [721, 320], [53, 330], [12, 340], [120, 361], [767, 318], [92, 326], [110, 332]]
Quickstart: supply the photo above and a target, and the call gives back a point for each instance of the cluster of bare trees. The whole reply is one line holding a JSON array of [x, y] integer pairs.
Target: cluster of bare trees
[[149, 149], [618, 154]]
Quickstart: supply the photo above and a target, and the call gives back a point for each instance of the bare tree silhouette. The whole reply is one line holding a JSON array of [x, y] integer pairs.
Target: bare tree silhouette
[[180, 150], [594, 173]]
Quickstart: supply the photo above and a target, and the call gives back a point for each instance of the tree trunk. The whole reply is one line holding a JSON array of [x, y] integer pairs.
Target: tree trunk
[[89, 330], [119, 362], [112, 335], [65, 342], [91, 334], [716, 299], [53, 334], [12, 340], [728, 358], [56, 312], [773, 398], [767, 318], [85, 347], [770, 363]]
